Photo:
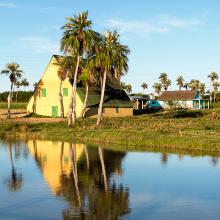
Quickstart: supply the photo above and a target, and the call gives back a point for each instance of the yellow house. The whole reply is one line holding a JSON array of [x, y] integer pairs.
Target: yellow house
[[45, 100]]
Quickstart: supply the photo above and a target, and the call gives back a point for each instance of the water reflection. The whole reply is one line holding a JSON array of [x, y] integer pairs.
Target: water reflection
[[14, 181], [83, 182], [77, 181]]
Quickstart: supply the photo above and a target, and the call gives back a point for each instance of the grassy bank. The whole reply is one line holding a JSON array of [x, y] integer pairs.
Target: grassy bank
[[15, 105], [191, 131]]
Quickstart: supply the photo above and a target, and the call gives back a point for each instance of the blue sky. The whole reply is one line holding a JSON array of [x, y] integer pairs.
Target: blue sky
[[173, 36]]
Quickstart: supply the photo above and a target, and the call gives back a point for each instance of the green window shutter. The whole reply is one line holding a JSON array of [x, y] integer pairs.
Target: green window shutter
[[43, 92], [65, 92], [54, 111]]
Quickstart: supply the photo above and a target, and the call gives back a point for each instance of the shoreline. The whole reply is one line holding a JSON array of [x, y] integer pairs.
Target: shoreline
[[141, 133]]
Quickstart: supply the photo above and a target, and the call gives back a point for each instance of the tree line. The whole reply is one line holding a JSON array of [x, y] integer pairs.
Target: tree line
[[194, 84]]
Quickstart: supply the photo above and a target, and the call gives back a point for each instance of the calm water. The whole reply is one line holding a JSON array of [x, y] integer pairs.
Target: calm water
[[54, 180]]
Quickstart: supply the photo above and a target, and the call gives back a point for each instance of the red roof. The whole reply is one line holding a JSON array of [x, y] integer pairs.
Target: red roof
[[180, 95]]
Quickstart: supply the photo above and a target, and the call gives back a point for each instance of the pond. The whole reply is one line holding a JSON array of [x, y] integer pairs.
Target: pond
[[59, 180]]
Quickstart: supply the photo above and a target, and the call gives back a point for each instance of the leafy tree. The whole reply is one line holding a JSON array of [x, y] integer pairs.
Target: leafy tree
[[201, 88], [87, 78], [126, 87], [14, 72], [186, 85], [214, 78], [62, 74], [194, 84], [17, 85], [180, 82], [165, 82], [111, 54], [24, 83], [157, 87], [76, 41], [144, 86], [216, 85]]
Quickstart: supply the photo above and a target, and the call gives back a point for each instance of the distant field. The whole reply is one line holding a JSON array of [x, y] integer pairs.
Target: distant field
[[18, 105]]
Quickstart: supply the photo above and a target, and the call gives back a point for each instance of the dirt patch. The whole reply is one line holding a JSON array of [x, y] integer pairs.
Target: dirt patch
[[15, 113], [18, 115]]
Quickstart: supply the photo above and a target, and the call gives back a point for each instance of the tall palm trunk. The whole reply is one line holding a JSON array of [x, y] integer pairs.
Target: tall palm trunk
[[61, 100], [9, 102], [16, 97], [72, 107], [101, 99], [85, 101]]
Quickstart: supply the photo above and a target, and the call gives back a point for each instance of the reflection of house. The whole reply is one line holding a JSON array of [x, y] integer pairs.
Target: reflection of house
[[48, 155], [45, 100], [185, 99]]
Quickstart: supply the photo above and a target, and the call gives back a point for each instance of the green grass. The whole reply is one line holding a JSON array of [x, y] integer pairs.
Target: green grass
[[15, 105], [196, 132]]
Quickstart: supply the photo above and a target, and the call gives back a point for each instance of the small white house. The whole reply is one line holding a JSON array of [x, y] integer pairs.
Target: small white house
[[184, 99]]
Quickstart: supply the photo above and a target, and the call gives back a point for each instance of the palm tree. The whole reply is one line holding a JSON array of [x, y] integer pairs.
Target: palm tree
[[111, 54], [144, 86], [86, 79], [17, 85], [126, 87], [215, 85], [15, 73], [157, 87], [186, 85], [194, 84], [213, 77], [201, 88], [165, 82], [76, 41], [62, 74], [180, 82], [24, 83], [37, 87]]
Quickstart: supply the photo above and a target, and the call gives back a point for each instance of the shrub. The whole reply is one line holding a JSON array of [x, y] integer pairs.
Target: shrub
[[184, 114]]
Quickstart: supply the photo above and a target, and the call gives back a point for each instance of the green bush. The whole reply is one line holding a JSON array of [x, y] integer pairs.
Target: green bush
[[184, 114]]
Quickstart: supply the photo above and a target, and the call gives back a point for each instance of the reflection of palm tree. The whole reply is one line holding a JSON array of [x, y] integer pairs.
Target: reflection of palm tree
[[74, 170], [96, 203], [35, 149], [103, 167], [87, 156], [164, 158], [214, 161], [15, 181], [61, 157]]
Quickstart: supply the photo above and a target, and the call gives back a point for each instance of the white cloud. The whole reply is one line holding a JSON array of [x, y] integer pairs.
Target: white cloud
[[8, 5], [160, 24], [39, 45], [135, 26], [180, 23], [51, 28]]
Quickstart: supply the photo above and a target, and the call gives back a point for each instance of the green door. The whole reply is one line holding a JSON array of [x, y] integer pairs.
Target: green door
[[54, 111]]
